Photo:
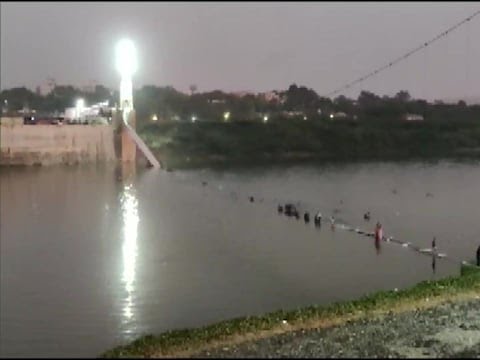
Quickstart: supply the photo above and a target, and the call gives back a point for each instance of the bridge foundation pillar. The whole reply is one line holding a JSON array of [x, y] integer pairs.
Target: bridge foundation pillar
[[128, 152]]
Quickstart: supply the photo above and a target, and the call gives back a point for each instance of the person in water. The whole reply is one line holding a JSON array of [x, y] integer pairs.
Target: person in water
[[478, 256], [306, 217], [332, 222], [378, 232]]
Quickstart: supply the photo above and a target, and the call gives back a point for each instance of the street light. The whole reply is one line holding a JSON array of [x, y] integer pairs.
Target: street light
[[226, 115], [79, 106], [126, 64], [194, 118], [265, 118]]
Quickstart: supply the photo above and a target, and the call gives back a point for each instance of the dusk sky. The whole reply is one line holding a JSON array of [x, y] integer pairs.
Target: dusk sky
[[245, 46]]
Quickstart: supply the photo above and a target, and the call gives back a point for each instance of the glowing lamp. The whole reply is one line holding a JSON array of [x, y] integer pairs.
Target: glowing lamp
[[126, 58], [126, 64]]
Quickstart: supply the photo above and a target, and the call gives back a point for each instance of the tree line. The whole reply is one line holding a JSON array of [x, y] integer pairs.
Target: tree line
[[298, 102]]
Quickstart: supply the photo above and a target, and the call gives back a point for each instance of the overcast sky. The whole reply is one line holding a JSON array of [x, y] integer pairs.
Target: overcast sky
[[245, 46]]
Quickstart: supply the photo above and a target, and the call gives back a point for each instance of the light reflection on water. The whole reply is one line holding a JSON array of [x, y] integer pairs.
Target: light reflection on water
[[129, 208], [129, 248]]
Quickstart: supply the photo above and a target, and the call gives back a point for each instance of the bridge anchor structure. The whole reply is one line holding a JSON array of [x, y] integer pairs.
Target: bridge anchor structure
[[130, 141]]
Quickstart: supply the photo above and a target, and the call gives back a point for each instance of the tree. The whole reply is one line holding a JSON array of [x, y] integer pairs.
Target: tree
[[403, 96], [342, 103], [19, 97], [300, 98]]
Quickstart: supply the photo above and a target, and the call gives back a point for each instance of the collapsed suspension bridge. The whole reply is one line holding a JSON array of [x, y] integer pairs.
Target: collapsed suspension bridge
[[405, 56]]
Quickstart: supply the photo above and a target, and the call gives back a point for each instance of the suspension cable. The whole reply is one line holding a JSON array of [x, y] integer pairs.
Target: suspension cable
[[405, 56]]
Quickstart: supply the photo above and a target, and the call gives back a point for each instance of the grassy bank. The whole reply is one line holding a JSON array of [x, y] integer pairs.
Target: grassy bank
[[199, 144], [184, 342]]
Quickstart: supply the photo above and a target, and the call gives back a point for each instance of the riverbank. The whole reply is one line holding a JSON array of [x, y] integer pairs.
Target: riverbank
[[194, 145], [446, 330], [207, 340], [175, 161]]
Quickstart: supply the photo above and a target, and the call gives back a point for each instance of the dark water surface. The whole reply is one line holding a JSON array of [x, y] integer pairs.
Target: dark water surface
[[94, 257]]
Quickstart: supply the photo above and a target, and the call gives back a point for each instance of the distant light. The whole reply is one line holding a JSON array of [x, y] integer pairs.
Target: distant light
[[226, 115], [331, 116], [265, 118], [126, 58], [80, 104], [154, 117], [194, 118], [304, 118], [79, 107]]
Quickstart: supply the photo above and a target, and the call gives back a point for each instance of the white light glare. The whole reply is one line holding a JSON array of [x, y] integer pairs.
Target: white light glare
[[126, 58], [265, 118], [226, 115], [194, 118], [331, 116], [80, 104], [154, 117]]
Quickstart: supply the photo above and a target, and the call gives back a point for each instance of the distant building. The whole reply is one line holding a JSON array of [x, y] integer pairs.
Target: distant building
[[11, 120], [293, 113], [413, 117], [216, 101], [338, 115], [241, 94]]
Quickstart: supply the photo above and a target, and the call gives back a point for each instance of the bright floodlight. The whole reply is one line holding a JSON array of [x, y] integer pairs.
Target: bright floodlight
[[79, 106], [265, 118], [194, 118], [126, 58], [126, 63], [226, 115]]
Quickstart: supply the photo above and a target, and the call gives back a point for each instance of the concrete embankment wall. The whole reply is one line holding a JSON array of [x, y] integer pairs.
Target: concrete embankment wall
[[56, 144]]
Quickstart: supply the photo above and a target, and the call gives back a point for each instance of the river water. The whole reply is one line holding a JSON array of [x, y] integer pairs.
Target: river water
[[93, 257]]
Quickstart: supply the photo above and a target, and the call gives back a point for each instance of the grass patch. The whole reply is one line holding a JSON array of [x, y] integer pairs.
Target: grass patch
[[469, 268], [177, 341]]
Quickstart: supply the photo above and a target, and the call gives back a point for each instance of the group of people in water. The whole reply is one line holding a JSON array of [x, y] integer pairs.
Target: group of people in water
[[291, 210]]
